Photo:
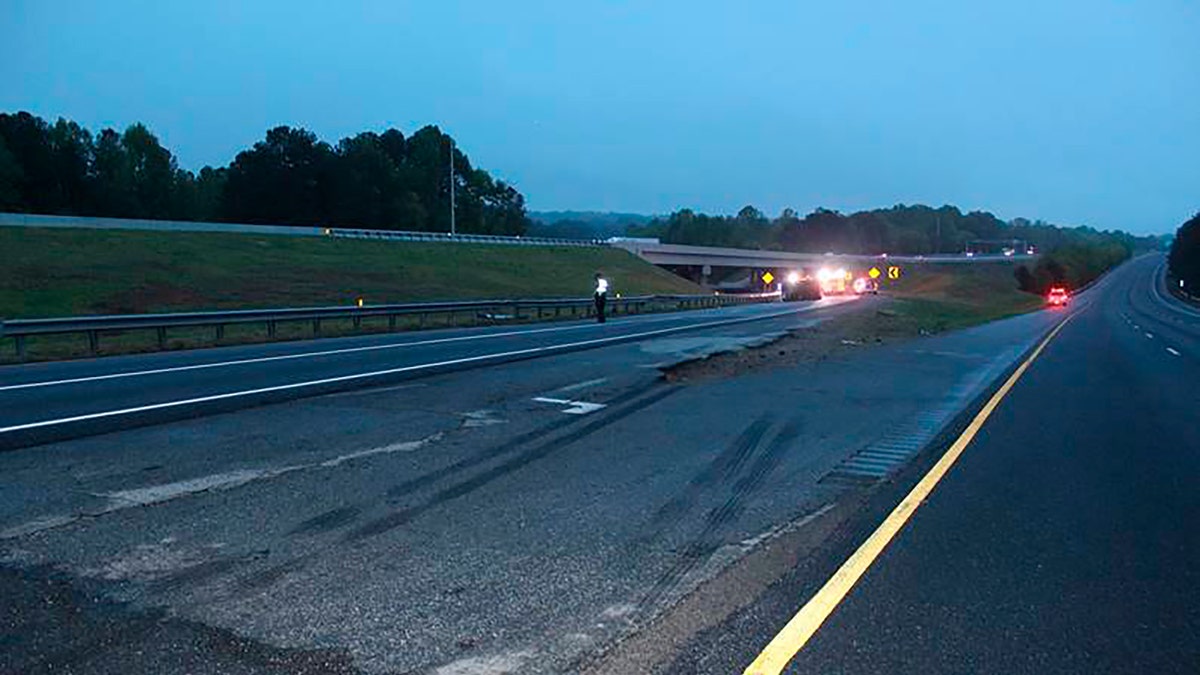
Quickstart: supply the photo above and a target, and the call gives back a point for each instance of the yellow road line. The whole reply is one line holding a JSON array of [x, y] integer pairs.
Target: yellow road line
[[792, 638]]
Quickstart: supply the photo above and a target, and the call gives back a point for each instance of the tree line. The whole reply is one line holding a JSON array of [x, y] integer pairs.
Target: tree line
[[373, 180], [902, 229], [1071, 256]]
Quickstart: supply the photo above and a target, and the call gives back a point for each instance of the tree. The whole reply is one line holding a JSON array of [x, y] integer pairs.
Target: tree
[[28, 139], [112, 176], [366, 189], [152, 173], [283, 179], [71, 159], [11, 178]]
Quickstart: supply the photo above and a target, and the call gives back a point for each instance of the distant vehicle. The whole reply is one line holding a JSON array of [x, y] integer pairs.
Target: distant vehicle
[[835, 281], [970, 254], [864, 285], [1057, 297], [799, 286], [1008, 252]]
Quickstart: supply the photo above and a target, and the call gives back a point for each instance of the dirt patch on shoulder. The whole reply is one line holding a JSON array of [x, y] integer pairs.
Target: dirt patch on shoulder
[[877, 322]]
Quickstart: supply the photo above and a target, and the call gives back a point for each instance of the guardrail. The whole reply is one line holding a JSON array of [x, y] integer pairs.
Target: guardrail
[[476, 311], [39, 220], [401, 235]]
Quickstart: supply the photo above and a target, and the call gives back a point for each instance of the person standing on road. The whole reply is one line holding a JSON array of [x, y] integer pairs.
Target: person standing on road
[[601, 296]]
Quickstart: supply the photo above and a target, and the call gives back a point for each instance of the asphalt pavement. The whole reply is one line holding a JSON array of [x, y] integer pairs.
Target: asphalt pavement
[[1064, 540], [523, 516], [55, 401]]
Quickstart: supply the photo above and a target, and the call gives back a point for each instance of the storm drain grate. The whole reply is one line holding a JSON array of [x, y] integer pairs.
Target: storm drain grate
[[888, 454]]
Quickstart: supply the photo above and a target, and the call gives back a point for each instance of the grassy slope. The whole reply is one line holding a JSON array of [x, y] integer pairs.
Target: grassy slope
[[946, 297], [63, 272]]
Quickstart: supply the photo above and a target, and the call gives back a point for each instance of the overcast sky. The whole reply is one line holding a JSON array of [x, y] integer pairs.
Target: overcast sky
[[1077, 112]]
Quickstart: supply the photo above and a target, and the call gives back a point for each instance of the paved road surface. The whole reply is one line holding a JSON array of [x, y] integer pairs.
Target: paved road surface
[[519, 516], [1066, 538], [54, 401]]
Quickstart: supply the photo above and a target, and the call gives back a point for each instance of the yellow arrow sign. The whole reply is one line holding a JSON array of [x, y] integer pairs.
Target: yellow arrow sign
[[767, 277], [893, 272], [874, 272]]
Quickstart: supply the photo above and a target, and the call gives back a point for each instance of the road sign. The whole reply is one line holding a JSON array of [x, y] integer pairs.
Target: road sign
[[767, 278], [874, 272], [893, 272]]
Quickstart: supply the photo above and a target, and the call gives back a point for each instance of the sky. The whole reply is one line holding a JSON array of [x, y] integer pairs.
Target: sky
[[1078, 112]]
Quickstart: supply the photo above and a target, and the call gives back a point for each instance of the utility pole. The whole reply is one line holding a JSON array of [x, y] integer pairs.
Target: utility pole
[[937, 244], [453, 230]]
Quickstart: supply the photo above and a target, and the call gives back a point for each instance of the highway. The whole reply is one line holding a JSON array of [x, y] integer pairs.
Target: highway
[[569, 510], [1064, 540], [53, 401]]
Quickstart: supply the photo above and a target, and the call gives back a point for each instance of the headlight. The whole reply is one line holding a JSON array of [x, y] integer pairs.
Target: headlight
[[793, 278]]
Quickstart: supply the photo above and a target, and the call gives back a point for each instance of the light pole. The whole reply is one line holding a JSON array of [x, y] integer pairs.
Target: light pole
[[453, 230]]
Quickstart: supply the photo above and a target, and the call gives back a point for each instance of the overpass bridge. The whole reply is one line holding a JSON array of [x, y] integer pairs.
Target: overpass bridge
[[679, 254], [698, 262]]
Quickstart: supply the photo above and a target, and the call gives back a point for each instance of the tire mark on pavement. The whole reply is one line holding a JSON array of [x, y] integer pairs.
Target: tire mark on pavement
[[708, 541], [268, 577], [330, 520], [401, 516], [723, 467], [514, 443]]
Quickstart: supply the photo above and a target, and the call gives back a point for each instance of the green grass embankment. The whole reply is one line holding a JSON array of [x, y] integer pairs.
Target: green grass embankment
[[50, 272], [66, 272], [938, 298]]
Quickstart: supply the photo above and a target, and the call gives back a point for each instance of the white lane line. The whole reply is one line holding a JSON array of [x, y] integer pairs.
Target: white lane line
[[580, 385], [631, 337], [306, 355], [1150, 336], [576, 407], [165, 492], [376, 390], [1173, 351]]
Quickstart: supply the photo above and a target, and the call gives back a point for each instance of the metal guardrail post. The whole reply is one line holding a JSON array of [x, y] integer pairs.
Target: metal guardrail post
[[316, 327], [20, 340], [162, 337], [220, 333], [93, 341]]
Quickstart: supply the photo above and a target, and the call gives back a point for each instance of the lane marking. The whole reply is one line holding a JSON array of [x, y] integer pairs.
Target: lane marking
[[1172, 350], [528, 352], [580, 385], [376, 390], [164, 492], [310, 355], [1150, 336], [792, 638], [576, 407]]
